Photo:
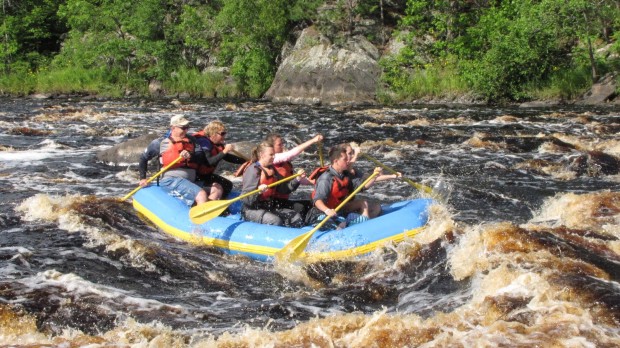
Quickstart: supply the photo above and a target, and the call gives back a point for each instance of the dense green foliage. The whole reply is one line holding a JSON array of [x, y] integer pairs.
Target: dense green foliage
[[503, 49], [30, 34], [498, 50]]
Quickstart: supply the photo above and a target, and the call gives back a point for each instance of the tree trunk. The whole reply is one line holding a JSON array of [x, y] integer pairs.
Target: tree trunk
[[592, 61], [382, 24], [590, 50]]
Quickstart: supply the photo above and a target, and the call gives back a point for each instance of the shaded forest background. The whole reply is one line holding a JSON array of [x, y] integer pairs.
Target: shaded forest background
[[496, 50]]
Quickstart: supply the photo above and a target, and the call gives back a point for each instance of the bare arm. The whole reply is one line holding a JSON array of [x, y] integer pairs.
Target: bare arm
[[292, 153], [372, 181]]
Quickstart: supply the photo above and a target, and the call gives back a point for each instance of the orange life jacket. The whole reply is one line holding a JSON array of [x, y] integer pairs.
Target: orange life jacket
[[204, 168], [242, 168], [317, 172], [285, 169], [267, 179], [339, 191], [174, 151]]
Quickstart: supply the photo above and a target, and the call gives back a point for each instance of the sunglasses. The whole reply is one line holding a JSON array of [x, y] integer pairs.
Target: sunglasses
[[184, 128], [222, 133]]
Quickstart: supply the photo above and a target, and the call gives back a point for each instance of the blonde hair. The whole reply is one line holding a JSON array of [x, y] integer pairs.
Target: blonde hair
[[214, 127], [260, 148]]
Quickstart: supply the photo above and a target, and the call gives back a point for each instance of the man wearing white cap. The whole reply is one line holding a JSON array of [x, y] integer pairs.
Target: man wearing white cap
[[179, 179]]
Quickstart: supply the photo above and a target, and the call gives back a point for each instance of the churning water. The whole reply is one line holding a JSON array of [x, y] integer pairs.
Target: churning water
[[524, 252]]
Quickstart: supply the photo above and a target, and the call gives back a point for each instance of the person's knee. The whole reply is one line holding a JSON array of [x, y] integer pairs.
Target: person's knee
[[201, 197], [216, 191], [374, 210]]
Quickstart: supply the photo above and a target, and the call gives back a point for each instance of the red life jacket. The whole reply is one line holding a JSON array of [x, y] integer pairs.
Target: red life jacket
[[285, 169], [174, 151], [339, 191], [317, 172], [204, 169], [242, 168], [267, 179]]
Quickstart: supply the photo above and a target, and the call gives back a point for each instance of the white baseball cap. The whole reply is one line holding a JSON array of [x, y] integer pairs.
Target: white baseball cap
[[179, 121]]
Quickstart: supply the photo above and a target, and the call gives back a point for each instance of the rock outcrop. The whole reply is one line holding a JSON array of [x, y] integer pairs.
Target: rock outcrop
[[317, 71], [601, 92]]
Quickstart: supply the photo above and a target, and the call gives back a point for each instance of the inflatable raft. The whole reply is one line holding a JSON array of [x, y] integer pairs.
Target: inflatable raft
[[233, 235]]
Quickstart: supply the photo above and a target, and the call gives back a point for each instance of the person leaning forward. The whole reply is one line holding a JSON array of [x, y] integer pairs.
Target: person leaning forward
[[262, 207], [178, 181], [333, 186], [212, 141]]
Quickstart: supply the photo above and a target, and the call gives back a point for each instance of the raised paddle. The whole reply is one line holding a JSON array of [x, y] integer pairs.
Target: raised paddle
[[293, 249], [412, 183], [239, 154], [211, 209], [320, 146], [152, 178]]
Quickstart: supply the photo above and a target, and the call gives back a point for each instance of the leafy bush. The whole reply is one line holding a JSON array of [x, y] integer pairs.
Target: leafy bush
[[195, 83]]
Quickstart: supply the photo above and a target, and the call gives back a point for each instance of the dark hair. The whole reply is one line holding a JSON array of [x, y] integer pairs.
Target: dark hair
[[259, 149], [271, 137], [335, 152]]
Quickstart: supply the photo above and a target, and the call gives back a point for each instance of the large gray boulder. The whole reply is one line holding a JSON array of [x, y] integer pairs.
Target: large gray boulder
[[319, 72], [129, 152]]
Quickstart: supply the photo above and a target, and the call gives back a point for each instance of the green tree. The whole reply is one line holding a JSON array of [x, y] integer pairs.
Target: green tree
[[30, 33], [517, 43], [590, 20], [120, 35], [197, 34], [253, 33]]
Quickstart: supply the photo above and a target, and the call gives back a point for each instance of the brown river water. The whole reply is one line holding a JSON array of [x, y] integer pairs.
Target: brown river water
[[525, 252]]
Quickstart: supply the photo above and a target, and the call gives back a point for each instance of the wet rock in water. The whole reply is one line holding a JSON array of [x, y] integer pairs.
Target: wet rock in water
[[126, 152], [539, 166], [28, 131], [130, 150], [594, 163]]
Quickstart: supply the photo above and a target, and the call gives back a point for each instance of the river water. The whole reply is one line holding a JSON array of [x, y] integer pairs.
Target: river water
[[525, 251]]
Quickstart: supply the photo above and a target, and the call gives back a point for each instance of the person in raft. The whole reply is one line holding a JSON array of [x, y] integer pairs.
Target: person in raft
[[333, 185], [353, 151], [282, 163], [212, 141], [179, 180], [262, 207]]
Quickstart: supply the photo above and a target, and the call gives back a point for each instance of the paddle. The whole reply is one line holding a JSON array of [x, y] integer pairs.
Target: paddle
[[209, 210], [412, 183], [239, 154], [293, 249], [152, 178]]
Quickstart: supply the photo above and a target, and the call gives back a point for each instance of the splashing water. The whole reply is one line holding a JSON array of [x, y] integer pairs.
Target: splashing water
[[523, 249]]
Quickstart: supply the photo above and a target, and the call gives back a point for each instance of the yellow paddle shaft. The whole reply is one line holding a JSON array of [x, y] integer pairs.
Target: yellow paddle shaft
[[152, 177], [412, 183]]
